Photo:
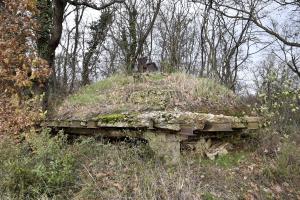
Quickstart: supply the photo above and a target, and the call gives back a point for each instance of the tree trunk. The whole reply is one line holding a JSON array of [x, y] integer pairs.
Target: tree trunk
[[47, 49], [74, 56]]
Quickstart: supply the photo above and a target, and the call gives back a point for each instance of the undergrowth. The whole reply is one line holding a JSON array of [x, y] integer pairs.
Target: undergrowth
[[53, 167], [284, 167], [229, 160], [42, 165]]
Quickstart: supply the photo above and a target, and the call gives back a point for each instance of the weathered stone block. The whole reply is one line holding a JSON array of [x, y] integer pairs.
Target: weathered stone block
[[165, 145]]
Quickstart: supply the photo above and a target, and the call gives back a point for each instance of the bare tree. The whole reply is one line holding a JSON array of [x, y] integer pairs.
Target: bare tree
[[134, 25], [177, 37], [225, 45], [99, 30], [78, 17], [56, 16], [254, 11]]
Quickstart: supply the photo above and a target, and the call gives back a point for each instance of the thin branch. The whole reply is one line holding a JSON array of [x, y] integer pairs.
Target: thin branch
[[253, 19], [94, 6]]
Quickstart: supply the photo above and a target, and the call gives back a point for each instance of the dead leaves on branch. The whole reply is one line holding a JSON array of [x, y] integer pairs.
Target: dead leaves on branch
[[20, 67]]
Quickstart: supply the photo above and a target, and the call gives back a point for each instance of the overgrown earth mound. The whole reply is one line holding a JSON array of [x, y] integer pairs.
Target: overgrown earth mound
[[150, 92]]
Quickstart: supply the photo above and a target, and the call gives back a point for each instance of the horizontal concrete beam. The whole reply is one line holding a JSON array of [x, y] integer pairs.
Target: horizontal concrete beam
[[181, 122]]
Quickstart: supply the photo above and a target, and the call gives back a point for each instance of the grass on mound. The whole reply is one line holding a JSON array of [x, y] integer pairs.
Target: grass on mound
[[177, 91]]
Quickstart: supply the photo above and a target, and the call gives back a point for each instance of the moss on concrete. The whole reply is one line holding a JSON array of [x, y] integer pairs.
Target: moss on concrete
[[110, 118]]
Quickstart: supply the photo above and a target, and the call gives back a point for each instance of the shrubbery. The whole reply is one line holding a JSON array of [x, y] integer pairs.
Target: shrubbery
[[284, 167], [280, 107], [287, 167], [54, 167], [41, 165], [279, 101]]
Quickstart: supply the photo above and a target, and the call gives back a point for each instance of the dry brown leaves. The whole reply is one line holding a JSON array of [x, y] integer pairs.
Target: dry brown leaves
[[20, 67]]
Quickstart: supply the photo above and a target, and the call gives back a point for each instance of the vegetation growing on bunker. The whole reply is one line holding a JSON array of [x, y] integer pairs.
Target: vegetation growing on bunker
[[110, 118], [155, 92]]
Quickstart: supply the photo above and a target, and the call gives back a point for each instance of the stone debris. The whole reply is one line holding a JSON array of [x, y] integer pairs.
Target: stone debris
[[213, 152]]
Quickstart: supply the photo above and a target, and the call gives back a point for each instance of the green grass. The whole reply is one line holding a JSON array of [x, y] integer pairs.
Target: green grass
[[91, 94], [110, 117], [156, 76], [203, 87], [121, 93], [208, 196], [226, 161], [230, 160]]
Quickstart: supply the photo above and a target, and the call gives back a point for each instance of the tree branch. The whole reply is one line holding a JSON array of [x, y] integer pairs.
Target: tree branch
[[249, 17], [145, 35], [92, 5]]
